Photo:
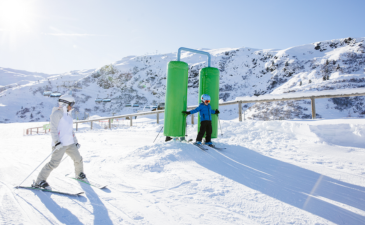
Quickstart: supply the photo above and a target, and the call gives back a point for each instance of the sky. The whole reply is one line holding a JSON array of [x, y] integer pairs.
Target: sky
[[63, 35]]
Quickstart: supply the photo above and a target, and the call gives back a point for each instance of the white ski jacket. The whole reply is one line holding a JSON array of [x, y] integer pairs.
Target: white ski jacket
[[62, 127]]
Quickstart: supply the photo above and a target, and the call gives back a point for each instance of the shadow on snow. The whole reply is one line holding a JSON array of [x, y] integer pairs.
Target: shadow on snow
[[100, 212], [288, 183], [62, 214]]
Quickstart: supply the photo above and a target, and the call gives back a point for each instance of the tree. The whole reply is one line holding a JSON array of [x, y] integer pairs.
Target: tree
[[338, 67]]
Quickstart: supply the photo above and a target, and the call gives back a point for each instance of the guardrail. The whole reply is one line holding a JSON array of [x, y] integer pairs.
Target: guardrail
[[239, 102], [29, 131]]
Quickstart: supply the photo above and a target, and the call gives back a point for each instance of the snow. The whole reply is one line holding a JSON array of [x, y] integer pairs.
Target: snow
[[12, 76], [272, 172]]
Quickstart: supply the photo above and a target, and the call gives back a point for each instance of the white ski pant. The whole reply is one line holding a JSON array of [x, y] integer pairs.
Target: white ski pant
[[56, 158]]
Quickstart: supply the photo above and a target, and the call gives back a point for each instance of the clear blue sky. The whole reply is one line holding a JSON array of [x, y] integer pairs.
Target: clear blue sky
[[62, 35]]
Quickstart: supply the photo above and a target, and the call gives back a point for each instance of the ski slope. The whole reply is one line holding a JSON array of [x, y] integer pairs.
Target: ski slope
[[275, 172]]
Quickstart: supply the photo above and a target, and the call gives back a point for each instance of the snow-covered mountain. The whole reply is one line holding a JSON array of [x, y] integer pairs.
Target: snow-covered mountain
[[327, 65], [12, 77]]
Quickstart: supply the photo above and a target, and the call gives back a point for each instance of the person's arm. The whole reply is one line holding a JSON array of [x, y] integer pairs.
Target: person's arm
[[54, 121], [75, 139], [197, 109]]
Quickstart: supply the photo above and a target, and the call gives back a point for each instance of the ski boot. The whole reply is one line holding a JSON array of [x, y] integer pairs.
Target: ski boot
[[168, 139], [210, 144], [43, 184], [82, 176], [198, 143]]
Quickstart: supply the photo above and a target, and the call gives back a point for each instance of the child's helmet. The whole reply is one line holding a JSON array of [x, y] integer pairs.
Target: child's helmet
[[205, 98]]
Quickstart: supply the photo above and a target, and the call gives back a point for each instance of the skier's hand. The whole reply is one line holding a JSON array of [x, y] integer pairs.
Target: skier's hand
[[58, 146], [217, 111], [78, 146], [186, 112]]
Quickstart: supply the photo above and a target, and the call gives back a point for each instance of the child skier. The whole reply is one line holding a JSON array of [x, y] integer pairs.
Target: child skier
[[63, 140], [205, 120]]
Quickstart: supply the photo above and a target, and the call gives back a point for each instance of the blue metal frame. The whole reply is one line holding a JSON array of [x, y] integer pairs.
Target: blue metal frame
[[192, 50]]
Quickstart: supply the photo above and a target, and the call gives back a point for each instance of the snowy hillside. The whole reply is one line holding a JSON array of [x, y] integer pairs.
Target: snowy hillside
[[18, 77], [274, 172], [328, 65]]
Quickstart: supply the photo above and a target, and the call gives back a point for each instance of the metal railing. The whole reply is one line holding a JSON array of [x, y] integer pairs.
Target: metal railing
[[39, 130], [239, 102]]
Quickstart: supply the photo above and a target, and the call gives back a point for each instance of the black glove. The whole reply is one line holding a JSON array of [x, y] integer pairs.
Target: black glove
[[217, 111], [186, 112]]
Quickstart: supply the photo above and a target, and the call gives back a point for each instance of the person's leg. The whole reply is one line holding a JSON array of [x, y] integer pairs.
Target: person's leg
[[208, 134], [201, 131], [51, 165], [74, 154]]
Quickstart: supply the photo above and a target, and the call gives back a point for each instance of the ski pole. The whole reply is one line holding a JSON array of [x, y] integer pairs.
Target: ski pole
[[158, 134], [64, 158], [220, 125], [36, 168]]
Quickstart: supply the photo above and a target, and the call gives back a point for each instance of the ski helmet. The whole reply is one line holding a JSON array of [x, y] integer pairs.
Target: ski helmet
[[205, 98], [66, 100]]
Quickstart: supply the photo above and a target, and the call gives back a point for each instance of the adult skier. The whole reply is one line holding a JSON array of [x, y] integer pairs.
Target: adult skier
[[63, 140], [205, 120]]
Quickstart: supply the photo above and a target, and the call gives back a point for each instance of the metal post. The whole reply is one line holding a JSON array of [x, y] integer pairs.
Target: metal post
[[110, 123], [192, 118], [158, 118], [37, 130], [91, 125], [193, 50], [77, 125], [131, 123], [240, 111], [313, 103]]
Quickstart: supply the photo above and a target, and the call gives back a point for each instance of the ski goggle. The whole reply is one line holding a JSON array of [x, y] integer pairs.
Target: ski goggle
[[68, 103], [207, 101]]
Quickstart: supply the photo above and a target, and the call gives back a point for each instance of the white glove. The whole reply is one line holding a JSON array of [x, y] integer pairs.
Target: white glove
[[78, 146], [58, 146]]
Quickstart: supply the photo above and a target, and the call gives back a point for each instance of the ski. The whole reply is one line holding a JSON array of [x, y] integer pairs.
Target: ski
[[91, 183], [52, 191], [215, 147], [200, 146]]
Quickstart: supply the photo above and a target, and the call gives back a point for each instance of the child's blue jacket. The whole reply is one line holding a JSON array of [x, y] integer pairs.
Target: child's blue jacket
[[205, 112]]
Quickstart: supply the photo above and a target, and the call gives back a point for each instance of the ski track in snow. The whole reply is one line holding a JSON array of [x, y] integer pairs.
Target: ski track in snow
[[276, 172]]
